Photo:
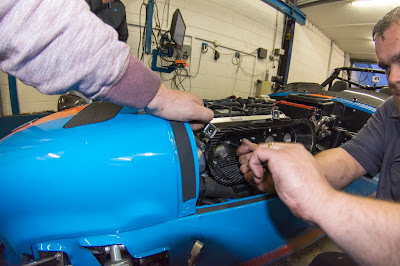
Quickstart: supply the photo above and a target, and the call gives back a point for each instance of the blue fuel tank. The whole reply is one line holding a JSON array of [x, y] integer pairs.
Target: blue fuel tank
[[79, 172]]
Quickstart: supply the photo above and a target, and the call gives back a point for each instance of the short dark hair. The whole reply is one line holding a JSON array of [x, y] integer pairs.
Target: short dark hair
[[386, 22]]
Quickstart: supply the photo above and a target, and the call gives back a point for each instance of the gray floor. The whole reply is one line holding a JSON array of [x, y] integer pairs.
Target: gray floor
[[305, 256]]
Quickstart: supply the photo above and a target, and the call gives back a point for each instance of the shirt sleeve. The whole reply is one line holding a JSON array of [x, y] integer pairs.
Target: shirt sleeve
[[56, 46], [122, 30], [368, 146], [95, 4]]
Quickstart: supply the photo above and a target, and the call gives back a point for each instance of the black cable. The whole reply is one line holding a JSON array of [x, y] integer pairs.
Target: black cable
[[140, 29], [364, 78], [198, 67], [150, 59], [157, 17], [166, 60], [155, 39], [165, 4], [181, 80], [187, 75], [173, 82], [144, 36], [190, 80]]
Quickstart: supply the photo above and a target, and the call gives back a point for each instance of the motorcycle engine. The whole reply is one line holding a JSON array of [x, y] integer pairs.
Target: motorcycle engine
[[221, 178]]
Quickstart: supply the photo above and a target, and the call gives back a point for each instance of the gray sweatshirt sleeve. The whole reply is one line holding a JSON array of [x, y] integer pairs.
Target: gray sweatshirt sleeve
[[56, 46]]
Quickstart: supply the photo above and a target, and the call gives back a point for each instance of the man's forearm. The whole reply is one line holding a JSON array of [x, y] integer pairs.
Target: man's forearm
[[339, 167], [366, 229], [73, 49]]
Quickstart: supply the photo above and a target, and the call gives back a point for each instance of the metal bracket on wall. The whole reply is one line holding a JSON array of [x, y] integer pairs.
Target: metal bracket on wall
[[12, 86], [288, 9], [166, 69], [149, 26]]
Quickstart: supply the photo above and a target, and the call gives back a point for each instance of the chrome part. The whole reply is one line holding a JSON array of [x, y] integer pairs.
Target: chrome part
[[115, 253], [241, 118], [202, 160], [201, 147], [107, 249], [287, 138], [276, 114], [210, 130], [214, 126], [221, 152], [116, 258], [57, 258], [194, 254], [269, 139]]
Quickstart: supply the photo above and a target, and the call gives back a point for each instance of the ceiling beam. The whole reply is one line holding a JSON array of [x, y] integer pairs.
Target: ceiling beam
[[288, 9], [316, 2], [368, 61]]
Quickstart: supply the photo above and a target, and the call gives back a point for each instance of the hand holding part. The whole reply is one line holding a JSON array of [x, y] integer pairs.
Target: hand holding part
[[180, 106], [295, 173], [244, 152]]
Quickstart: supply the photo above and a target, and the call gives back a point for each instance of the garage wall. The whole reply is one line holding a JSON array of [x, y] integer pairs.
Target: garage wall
[[4, 94], [30, 99], [314, 55], [238, 25]]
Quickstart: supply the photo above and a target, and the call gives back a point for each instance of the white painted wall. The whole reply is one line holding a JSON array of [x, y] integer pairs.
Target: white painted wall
[[314, 55], [238, 25]]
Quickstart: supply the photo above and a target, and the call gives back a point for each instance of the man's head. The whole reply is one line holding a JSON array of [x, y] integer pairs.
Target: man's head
[[385, 23], [386, 35]]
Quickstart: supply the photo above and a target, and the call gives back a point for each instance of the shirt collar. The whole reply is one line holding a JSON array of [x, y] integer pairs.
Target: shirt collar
[[396, 112]]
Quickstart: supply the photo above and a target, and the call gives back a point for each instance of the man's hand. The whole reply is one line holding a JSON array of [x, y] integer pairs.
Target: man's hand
[[107, 1], [295, 173], [265, 184], [180, 106]]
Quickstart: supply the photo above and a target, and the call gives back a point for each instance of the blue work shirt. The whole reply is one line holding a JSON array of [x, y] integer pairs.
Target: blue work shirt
[[376, 148]]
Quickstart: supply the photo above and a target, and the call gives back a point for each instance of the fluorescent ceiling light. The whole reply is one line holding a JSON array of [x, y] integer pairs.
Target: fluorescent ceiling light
[[368, 3]]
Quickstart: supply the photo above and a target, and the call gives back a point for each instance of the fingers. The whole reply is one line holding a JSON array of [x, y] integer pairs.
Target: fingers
[[261, 155], [200, 117], [244, 159], [196, 111], [201, 113], [244, 152], [246, 147], [244, 167], [179, 106], [198, 100], [195, 125], [249, 176], [254, 164], [267, 184]]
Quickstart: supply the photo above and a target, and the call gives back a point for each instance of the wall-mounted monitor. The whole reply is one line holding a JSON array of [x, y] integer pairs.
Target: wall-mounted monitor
[[178, 28]]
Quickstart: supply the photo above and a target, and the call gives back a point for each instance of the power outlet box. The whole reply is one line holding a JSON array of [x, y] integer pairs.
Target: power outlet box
[[279, 51], [261, 53], [186, 50]]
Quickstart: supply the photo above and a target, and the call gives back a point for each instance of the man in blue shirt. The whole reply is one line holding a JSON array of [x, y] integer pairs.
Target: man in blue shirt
[[366, 229]]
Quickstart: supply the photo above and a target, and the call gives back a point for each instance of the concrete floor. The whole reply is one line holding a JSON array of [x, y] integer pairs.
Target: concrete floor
[[305, 256]]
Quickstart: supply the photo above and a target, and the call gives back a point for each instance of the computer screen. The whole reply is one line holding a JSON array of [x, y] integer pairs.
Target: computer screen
[[178, 28]]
